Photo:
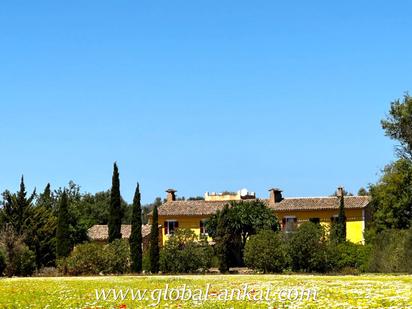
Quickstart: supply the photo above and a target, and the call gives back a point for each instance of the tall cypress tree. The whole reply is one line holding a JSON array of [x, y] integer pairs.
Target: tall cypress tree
[[154, 243], [341, 224], [115, 212], [63, 243], [136, 233]]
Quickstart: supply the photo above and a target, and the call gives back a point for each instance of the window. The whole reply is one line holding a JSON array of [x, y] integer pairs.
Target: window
[[170, 226], [203, 230], [334, 218], [314, 220], [290, 223]]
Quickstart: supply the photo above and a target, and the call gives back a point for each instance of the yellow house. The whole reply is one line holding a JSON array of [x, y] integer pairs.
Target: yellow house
[[291, 212]]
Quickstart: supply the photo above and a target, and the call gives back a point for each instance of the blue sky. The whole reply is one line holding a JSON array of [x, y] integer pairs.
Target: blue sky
[[200, 95]]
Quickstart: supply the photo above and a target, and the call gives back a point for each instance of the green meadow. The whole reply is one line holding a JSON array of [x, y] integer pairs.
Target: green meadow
[[209, 291]]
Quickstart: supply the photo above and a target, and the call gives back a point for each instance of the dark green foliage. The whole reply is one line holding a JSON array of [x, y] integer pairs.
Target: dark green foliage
[[307, 248], [115, 212], [398, 125], [184, 252], [392, 251], [154, 243], [266, 252], [42, 236], [136, 233], [392, 197], [224, 237], [3, 263], [239, 221], [347, 255], [93, 258], [63, 241], [17, 209], [338, 228]]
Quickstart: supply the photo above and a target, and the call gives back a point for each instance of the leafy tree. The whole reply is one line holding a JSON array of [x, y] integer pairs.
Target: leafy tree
[[136, 233], [307, 248], [392, 197], [266, 252], [63, 241], [17, 209], [233, 225], [115, 214], [154, 242], [398, 125]]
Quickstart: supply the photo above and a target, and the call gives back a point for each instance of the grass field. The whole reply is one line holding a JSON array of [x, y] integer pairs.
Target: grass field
[[223, 291]]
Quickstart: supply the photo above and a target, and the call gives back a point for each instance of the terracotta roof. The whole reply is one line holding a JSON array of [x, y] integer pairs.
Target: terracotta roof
[[206, 208], [320, 203], [101, 232]]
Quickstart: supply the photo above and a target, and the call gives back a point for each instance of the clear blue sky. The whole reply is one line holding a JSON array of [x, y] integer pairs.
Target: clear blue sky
[[200, 95]]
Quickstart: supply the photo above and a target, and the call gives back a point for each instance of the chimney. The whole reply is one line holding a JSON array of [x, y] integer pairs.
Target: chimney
[[171, 196], [340, 192], [275, 195]]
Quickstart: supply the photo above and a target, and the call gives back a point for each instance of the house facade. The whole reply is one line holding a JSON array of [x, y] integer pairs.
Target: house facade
[[291, 212]]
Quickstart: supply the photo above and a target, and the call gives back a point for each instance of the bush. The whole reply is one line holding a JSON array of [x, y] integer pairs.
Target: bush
[[347, 257], [307, 249], [92, 258], [20, 260], [184, 252], [25, 262], [2, 262], [146, 261], [117, 257], [266, 252], [391, 251], [85, 259]]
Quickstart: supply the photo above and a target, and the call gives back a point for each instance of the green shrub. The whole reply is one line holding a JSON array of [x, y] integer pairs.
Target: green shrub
[[146, 261], [26, 262], [20, 260], [347, 257], [391, 251], [85, 259], [266, 252], [117, 257], [2, 262], [184, 252], [92, 258], [307, 249]]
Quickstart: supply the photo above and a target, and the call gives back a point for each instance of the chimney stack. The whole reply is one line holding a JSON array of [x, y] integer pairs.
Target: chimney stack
[[171, 196], [275, 195], [340, 192]]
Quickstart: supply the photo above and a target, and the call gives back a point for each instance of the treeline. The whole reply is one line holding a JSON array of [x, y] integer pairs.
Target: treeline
[[29, 224]]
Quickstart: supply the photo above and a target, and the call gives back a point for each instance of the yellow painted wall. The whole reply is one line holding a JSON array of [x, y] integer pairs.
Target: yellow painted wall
[[354, 224], [185, 222]]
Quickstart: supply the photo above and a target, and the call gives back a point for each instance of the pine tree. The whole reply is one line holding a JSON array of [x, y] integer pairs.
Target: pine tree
[[115, 212], [136, 233], [223, 239], [43, 233], [17, 209], [63, 243], [154, 243]]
